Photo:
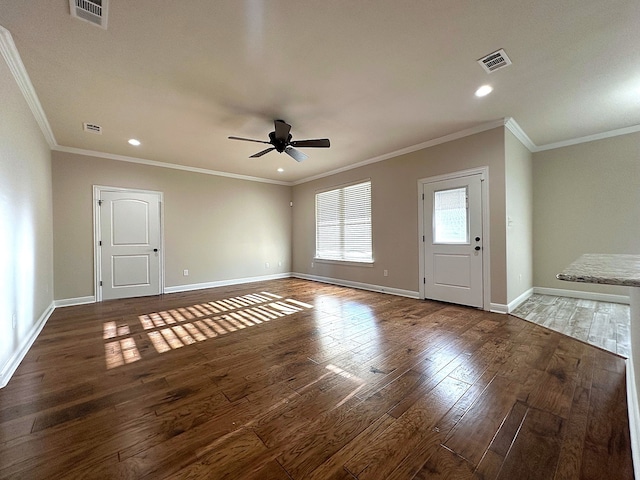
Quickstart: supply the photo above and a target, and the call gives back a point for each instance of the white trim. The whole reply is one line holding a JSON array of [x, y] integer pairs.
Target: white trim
[[513, 304], [9, 368], [598, 297], [224, 283], [174, 166], [486, 230], [362, 286], [632, 385], [508, 122], [14, 62], [498, 308], [484, 171], [70, 302], [483, 127], [589, 138], [520, 134], [97, 264], [633, 408]]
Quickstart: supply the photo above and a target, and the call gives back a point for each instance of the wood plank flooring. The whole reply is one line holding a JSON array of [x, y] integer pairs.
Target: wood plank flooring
[[291, 379], [603, 324]]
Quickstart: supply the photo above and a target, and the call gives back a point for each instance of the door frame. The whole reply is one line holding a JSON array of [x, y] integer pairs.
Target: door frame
[[486, 237], [97, 253]]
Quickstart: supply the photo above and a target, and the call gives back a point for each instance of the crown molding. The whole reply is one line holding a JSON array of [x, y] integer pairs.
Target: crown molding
[[14, 62], [483, 127], [508, 122], [589, 138], [12, 58], [520, 134], [174, 166]]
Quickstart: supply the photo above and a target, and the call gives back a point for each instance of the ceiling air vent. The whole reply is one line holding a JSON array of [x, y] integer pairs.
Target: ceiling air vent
[[92, 128], [494, 61], [93, 11]]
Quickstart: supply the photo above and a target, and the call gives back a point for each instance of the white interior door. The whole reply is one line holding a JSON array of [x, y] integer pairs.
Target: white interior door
[[129, 243], [453, 240]]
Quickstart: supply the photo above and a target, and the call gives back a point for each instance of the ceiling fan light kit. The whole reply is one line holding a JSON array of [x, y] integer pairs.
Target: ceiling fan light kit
[[281, 141]]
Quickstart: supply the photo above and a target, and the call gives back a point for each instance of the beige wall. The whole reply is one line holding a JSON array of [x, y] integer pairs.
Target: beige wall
[[218, 228], [586, 200], [26, 266], [395, 212], [519, 203]]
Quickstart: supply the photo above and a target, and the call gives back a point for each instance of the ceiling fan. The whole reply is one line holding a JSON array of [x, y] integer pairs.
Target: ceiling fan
[[280, 139]]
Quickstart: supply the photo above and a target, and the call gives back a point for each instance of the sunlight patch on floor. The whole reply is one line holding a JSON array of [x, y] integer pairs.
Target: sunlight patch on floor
[[175, 328]]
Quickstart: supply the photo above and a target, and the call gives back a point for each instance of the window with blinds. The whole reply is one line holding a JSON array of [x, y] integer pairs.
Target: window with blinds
[[343, 224]]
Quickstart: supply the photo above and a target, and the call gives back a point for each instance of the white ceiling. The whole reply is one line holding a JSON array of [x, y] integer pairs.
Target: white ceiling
[[374, 76]]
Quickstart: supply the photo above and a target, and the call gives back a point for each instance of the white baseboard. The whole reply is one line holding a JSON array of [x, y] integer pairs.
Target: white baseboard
[[224, 283], [69, 302], [498, 308], [519, 301], [9, 368], [362, 286], [599, 297], [633, 408]]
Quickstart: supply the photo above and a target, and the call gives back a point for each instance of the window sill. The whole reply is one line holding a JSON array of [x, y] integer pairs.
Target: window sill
[[348, 263]]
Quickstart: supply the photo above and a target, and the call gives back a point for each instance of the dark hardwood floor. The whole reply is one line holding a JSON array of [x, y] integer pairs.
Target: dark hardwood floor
[[292, 379]]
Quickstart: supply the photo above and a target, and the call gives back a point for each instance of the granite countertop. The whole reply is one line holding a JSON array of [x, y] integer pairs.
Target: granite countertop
[[610, 269]]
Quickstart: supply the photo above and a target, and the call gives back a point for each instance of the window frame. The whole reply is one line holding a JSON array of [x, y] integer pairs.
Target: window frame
[[366, 262]]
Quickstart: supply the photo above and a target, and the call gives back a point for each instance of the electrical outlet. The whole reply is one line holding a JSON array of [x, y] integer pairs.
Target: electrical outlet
[[185, 272], [280, 263], [385, 273], [14, 321], [266, 265]]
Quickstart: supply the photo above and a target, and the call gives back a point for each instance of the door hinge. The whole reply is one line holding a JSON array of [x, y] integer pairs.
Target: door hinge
[[424, 280], [100, 203], [423, 238], [100, 243], [100, 282], [423, 196]]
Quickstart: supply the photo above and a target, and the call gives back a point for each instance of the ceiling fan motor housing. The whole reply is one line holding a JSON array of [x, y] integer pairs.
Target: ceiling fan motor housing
[[279, 143]]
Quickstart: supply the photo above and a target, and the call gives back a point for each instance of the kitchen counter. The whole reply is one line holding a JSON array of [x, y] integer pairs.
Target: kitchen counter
[[609, 269]]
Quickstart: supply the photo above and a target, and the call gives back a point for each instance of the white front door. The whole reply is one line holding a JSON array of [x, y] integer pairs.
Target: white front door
[[128, 243], [453, 269]]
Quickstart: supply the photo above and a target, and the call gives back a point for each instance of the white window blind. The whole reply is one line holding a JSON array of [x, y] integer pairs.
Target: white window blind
[[343, 224]]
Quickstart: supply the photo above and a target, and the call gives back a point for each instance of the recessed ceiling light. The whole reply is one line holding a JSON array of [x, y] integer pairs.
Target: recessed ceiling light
[[134, 142], [280, 170], [484, 90]]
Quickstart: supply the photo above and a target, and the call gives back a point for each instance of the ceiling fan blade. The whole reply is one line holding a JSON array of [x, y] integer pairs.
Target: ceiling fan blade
[[319, 142], [297, 155], [259, 154], [282, 129], [248, 140]]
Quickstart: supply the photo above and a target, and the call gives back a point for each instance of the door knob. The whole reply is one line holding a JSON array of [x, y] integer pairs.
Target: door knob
[[477, 248], [155, 249], [477, 239]]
